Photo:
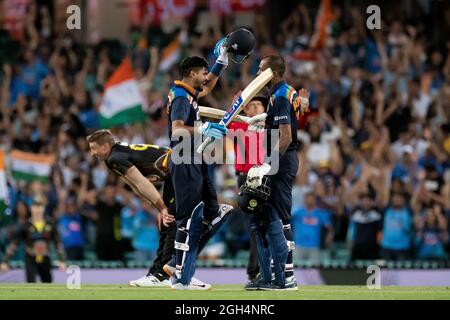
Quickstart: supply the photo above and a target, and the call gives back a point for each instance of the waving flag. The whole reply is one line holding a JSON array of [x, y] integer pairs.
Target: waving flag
[[122, 101], [29, 166]]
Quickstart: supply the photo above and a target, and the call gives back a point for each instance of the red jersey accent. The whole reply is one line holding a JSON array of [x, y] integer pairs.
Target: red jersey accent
[[253, 146]]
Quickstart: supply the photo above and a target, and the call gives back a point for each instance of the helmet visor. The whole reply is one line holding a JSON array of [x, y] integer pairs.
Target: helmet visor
[[238, 58]]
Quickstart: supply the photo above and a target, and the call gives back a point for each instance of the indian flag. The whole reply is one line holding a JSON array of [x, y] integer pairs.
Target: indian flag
[[3, 188], [29, 166], [171, 54], [122, 101], [324, 18]]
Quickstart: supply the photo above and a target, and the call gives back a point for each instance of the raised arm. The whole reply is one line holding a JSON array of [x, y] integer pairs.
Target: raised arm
[[219, 66]]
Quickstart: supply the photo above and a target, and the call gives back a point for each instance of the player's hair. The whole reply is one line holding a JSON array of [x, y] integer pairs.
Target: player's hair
[[276, 63], [101, 137], [190, 63]]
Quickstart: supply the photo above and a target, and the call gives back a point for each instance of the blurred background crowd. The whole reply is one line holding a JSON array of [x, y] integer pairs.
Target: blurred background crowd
[[374, 177]]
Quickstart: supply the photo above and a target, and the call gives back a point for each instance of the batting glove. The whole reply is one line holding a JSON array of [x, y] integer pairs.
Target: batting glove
[[213, 130], [255, 175], [257, 123], [220, 52]]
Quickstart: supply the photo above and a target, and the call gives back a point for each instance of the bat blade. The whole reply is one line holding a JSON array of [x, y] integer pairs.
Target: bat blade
[[248, 94]]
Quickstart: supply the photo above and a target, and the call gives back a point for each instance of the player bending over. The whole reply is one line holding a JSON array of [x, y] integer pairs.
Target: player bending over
[[139, 166]]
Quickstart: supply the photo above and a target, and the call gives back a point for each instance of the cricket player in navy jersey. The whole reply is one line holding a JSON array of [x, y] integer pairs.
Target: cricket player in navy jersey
[[197, 210], [198, 214], [272, 225]]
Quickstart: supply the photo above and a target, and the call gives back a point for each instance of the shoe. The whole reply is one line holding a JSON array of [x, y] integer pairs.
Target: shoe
[[149, 281], [253, 284], [170, 271], [291, 283], [191, 286], [292, 286]]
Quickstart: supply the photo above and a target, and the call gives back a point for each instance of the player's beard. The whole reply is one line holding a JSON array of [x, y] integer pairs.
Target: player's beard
[[199, 88]]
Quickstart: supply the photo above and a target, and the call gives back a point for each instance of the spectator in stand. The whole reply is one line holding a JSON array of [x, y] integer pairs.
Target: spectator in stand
[[71, 229], [431, 234], [397, 229], [365, 202], [145, 234], [106, 214], [365, 229], [308, 223]]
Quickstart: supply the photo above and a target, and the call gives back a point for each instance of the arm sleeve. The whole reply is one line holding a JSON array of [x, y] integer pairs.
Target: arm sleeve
[[282, 111], [119, 163], [180, 109]]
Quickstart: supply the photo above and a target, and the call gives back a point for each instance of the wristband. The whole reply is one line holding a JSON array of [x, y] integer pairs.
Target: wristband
[[217, 69]]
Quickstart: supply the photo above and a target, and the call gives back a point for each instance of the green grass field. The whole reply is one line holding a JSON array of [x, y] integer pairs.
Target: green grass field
[[219, 292]]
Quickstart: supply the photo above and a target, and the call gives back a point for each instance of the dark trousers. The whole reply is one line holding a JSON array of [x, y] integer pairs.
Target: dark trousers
[[389, 254], [33, 268], [165, 250], [74, 253], [192, 184], [280, 199], [253, 265], [365, 252], [108, 248]]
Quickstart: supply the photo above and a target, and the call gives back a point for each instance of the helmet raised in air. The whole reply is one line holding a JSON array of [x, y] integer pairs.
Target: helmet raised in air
[[240, 44]]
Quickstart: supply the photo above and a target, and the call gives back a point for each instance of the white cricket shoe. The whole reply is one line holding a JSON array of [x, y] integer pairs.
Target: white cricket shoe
[[170, 271], [194, 285], [149, 281]]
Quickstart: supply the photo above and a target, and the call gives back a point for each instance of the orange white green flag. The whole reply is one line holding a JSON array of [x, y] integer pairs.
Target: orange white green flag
[[28, 166], [122, 101]]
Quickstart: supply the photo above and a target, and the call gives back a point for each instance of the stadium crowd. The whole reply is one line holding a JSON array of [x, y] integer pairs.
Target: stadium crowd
[[374, 155]]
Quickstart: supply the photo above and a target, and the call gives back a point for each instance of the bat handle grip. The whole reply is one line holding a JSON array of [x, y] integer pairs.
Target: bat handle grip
[[204, 144]]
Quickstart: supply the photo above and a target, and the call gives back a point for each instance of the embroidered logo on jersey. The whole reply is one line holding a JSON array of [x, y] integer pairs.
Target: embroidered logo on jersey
[[280, 118], [197, 110]]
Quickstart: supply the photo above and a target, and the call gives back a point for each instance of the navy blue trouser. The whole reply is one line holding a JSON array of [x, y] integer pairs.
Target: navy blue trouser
[[279, 204], [196, 202], [192, 184], [280, 198]]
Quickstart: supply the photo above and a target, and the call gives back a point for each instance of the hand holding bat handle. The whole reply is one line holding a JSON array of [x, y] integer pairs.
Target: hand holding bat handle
[[212, 131], [249, 92], [204, 144]]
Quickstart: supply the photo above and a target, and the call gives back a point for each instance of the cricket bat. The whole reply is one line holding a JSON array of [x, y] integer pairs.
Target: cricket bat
[[248, 94], [214, 113]]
